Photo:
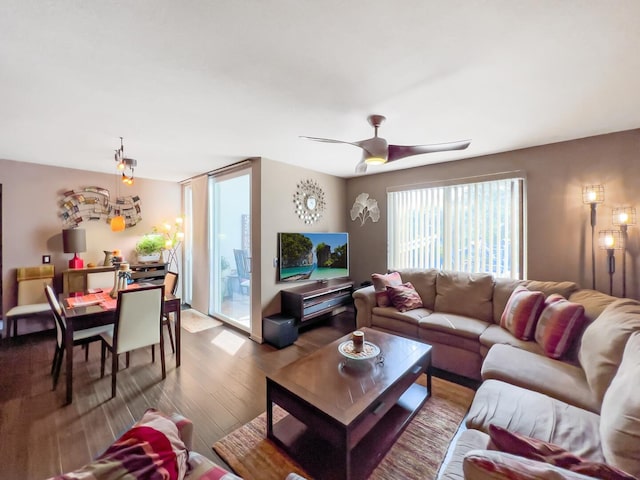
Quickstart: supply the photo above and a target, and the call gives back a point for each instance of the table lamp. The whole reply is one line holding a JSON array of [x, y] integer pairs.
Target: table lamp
[[74, 240]]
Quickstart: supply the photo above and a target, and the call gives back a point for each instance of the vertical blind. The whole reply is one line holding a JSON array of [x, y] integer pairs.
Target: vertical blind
[[471, 227]]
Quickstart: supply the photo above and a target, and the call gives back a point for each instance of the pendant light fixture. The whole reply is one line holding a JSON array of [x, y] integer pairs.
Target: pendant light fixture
[[122, 164]]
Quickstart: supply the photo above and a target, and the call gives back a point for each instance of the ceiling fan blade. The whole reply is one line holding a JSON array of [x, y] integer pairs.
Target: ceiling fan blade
[[396, 152], [329, 140]]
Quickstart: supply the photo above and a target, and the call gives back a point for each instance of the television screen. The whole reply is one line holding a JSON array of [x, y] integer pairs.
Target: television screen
[[313, 256]]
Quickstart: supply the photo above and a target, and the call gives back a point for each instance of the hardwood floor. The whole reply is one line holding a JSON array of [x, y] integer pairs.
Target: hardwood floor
[[220, 386]]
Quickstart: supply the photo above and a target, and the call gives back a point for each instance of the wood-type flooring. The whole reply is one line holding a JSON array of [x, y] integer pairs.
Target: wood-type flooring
[[220, 386]]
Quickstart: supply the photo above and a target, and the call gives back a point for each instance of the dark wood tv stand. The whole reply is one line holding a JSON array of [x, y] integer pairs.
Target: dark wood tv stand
[[313, 300]]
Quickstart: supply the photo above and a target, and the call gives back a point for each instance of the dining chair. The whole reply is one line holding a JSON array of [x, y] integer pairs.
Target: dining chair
[[80, 337], [103, 280], [170, 286], [243, 269], [31, 299], [138, 324]]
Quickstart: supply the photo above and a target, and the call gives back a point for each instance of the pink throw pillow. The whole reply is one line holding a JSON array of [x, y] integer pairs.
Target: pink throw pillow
[[404, 297], [558, 325], [534, 449], [380, 283], [522, 311]]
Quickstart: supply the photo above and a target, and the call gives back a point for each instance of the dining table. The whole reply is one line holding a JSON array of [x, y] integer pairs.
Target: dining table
[[95, 308]]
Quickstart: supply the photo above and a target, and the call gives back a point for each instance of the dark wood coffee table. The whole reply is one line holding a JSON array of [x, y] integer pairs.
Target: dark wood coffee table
[[342, 418]]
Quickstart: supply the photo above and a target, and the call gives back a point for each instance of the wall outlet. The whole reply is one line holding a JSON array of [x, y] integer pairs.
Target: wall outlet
[[46, 259]]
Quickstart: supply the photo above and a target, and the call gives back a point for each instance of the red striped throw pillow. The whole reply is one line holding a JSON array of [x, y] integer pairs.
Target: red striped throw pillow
[[558, 325], [521, 314]]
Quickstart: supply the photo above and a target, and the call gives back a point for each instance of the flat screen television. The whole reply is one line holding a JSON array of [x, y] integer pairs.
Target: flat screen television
[[313, 256]]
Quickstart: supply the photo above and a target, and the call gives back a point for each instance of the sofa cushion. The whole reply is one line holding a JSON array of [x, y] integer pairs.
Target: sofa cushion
[[462, 443], [493, 465], [539, 373], [404, 297], [424, 281], [548, 288], [536, 415], [381, 282], [496, 335], [603, 343], [467, 294], [522, 311], [505, 441], [594, 302], [620, 414], [405, 323], [458, 325], [558, 325]]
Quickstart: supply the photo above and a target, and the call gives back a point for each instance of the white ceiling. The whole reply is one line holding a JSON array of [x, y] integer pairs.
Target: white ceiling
[[195, 85]]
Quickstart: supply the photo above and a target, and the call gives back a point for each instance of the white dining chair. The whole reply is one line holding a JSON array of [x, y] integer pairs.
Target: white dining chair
[[31, 299], [138, 324], [103, 280], [80, 337]]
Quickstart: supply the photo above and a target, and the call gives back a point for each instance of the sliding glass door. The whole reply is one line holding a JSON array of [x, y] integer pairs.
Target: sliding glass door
[[230, 247]]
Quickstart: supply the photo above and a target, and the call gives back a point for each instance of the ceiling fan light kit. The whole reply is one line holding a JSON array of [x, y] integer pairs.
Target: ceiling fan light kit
[[376, 150]]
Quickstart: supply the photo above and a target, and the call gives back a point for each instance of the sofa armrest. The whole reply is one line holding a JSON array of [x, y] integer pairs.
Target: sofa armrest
[[364, 301]]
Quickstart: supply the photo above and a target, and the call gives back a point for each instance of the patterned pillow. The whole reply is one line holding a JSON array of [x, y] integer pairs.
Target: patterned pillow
[[522, 311], [404, 297], [380, 283], [150, 449], [494, 465], [534, 449], [558, 325]]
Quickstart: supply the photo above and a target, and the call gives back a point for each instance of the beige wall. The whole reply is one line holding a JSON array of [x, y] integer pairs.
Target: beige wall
[[278, 185], [32, 228], [558, 229]]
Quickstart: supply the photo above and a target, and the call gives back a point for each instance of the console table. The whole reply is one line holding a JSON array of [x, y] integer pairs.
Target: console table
[[75, 279], [313, 300]]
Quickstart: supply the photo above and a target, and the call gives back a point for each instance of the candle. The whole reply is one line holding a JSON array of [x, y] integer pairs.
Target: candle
[[357, 338]]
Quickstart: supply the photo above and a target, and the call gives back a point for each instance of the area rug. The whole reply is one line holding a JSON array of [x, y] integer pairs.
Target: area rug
[[193, 321], [417, 453]]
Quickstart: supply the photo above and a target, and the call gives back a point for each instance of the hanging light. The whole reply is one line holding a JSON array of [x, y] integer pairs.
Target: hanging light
[[124, 163], [117, 224]]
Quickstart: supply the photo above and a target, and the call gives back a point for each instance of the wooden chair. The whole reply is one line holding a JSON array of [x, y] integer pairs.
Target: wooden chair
[[170, 286], [138, 324], [80, 337], [31, 296]]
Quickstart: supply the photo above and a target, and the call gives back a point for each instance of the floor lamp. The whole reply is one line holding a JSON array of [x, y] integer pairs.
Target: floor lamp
[[611, 240], [624, 217], [593, 195]]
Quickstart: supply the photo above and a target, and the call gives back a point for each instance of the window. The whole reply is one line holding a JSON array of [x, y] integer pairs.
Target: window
[[469, 227]]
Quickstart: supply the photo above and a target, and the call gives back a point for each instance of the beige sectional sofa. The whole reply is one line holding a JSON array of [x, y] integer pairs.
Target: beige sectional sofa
[[587, 402]]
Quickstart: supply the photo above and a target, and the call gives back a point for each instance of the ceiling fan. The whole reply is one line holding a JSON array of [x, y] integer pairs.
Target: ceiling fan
[[376, 150]]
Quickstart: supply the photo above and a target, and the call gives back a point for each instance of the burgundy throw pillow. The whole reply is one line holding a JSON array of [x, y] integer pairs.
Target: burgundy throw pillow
[[380, 283], [521, 314], [534, 449], [404, 297], [558, 325]]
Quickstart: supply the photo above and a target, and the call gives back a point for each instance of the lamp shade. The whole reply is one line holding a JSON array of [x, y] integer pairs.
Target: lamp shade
[[117, 224], [611, 240], [593, 194], [74, 240], [624, 216]]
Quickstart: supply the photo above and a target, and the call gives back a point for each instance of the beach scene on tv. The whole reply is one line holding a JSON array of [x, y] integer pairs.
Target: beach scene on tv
[[313, 256]]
